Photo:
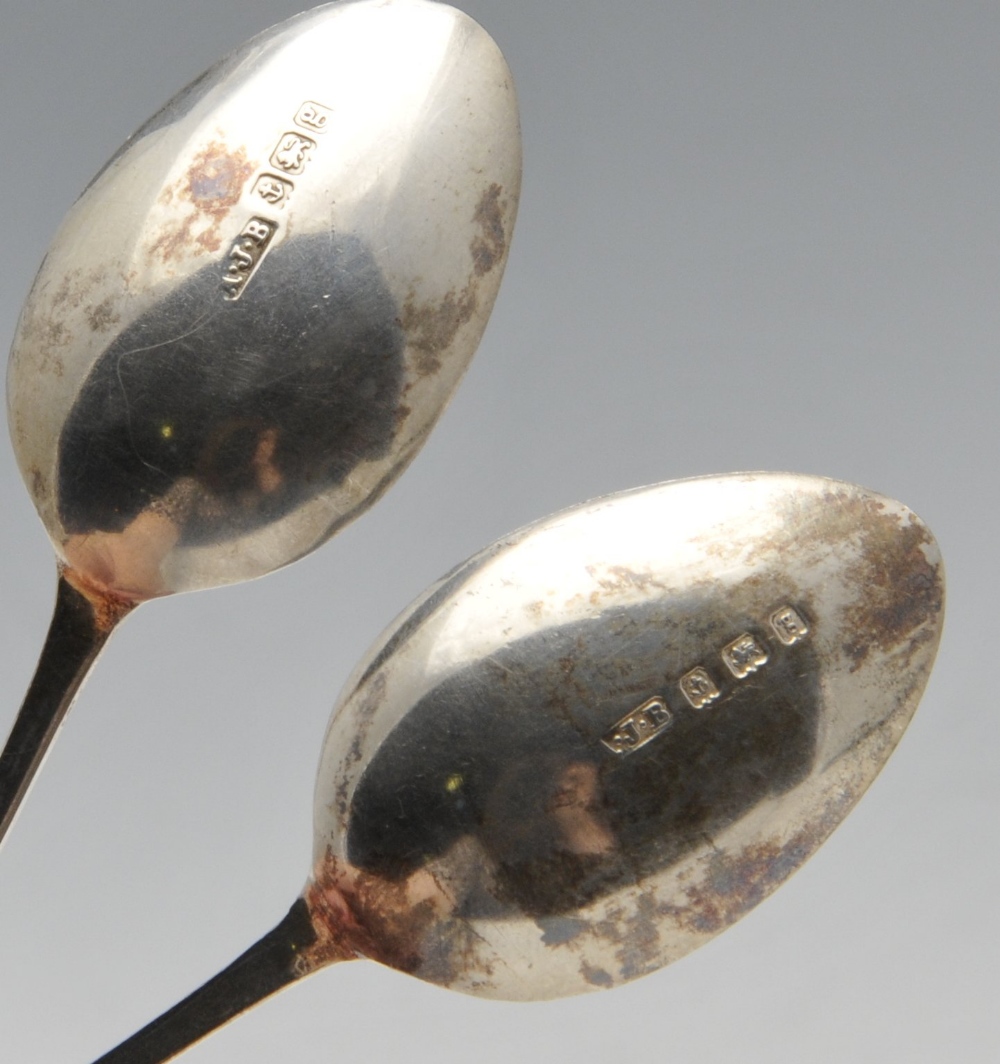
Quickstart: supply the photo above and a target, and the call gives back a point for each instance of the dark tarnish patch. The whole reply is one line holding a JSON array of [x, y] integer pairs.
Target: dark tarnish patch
[[364, 715], [213, 185], [637, 936], [430, 330], [39, 489], [902, 590], [735, 885], [560, 930], [490, 246], [640, 949], [596, 976]]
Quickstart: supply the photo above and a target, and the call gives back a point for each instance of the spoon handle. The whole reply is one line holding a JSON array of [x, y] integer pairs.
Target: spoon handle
[[267, 967], [80, 627]]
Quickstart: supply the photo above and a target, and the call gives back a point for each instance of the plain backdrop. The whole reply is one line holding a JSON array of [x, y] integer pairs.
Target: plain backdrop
[[753, 235]]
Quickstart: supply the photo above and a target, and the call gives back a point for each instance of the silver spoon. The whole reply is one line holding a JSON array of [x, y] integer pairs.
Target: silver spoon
[[253, 316], [601, 741]]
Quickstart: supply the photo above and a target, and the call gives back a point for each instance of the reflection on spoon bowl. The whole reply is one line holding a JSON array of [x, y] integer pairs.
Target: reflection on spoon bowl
[[601, 741], [253, 316]]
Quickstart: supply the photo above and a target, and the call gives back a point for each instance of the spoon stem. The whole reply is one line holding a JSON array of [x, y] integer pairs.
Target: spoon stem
[[80, 627], [267, 967]]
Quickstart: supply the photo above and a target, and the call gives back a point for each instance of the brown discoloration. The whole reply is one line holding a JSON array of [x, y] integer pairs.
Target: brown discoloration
[[215, 179], [431, 328], [898, 592], [212, 185], [174, 241], [357, 914], [37, 483], [103, 316], [490, 245], [210, 240], [617, 578], [50, 336], [408, 923], [364, 716], [109, 608], [126, 563], [44, 327], [903, 591], [75, 287]]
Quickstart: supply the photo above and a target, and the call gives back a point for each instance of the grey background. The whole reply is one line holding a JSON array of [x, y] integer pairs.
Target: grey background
[[752, 236]]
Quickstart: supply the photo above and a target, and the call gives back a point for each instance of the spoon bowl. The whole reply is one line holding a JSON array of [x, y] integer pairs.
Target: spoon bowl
[[601, 741], [252, 318]]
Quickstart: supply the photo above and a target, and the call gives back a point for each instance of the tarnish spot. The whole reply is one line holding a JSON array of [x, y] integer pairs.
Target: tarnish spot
[[364, 714], [38, 487], [44, 327], [362, 915], [213, 185], [615, 579], [430, 329], [75, 286], [640, 951], [560, 930], [897, 589], [736, 884], [103, 316], [596, 976], [109, 608], [637, 936], [216, 178], [903, 591], [490, 246]]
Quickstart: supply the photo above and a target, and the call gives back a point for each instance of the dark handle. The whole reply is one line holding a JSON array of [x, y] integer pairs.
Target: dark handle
[[267, 967], [76, 636]]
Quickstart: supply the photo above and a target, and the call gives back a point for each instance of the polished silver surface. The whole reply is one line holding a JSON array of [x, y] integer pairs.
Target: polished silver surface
[[253, 316], [601, 741], [251, 319], [604, 739]]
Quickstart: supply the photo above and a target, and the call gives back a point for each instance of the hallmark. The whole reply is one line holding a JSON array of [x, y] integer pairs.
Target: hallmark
[[292, 153], [245, 255], [744, 656], [637, 728], [699, 688], [273, 189], [291, 156], [314, 116], [789, 626]]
